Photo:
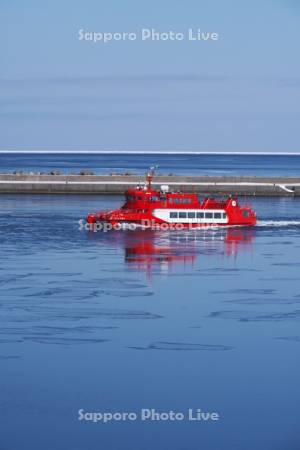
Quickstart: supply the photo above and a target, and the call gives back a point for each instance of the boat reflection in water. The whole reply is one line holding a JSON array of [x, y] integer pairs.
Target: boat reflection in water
[[158, 251]]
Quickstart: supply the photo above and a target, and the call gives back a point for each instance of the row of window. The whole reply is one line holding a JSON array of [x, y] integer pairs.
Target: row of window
[[180, 200], [197, 215], [131, 198]]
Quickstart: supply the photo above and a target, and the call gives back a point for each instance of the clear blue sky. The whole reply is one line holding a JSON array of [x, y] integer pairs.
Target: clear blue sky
[[241, 93]]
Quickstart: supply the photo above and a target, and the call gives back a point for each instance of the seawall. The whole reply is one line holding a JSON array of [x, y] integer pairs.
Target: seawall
[[117, 184]]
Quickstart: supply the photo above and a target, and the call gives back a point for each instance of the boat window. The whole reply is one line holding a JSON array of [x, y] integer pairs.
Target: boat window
[[224, 216], [154, 199], [191, 215], [208, 215], [217, 215], [246, 213], [130, 198], [186, 200], [200, 215], [182, 215], [163, 198], [177, 200], [173, 215]]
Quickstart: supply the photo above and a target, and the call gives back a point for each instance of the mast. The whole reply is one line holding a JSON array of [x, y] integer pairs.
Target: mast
[[150, 176]]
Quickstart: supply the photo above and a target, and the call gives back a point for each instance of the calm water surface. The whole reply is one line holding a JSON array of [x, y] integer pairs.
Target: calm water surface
[[127, 320]]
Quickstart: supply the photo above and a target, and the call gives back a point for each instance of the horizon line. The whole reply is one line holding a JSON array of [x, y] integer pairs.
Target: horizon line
[[154, 152]]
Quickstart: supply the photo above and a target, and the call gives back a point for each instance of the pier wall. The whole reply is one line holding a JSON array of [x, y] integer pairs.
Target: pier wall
[[117, 184]]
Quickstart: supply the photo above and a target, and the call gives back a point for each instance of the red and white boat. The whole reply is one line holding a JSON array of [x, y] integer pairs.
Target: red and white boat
[[149, 207]]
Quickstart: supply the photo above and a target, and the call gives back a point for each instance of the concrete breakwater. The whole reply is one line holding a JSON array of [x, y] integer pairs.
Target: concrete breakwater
[[117, 184]]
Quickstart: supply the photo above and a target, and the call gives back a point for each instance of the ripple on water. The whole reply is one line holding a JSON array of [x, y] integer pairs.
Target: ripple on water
[[214, 272], [183, 346], [278, 279], [288, 338], [46, 312], [10, 341], [286, 264], [53, 334], [47, 330], [265, 300], [229, 270], [84, 289], [63, 340], [246, 291], [251, 316]]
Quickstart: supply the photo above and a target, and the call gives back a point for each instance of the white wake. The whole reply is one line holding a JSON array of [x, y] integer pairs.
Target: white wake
[[278, 223]]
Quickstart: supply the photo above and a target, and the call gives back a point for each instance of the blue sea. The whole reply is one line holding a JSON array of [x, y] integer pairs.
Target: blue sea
[[130, 320], [182, 164]]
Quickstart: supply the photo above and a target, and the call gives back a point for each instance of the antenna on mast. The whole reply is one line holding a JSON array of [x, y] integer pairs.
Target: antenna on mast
[[150, 175]]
